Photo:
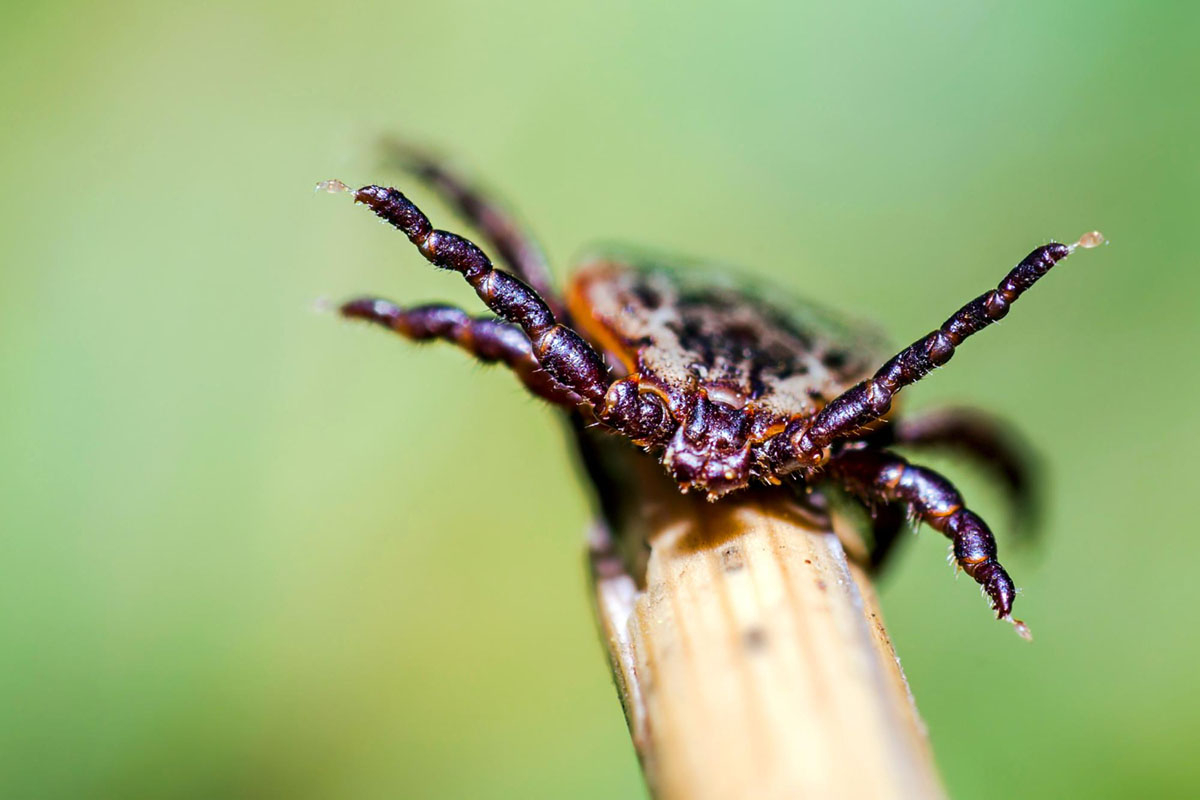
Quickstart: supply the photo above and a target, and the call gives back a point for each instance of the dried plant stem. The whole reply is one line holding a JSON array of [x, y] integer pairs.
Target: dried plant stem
[[754, 662]]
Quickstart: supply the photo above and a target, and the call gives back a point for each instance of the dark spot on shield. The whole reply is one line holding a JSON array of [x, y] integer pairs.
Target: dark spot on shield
[[834, 359], [708, 299], [735, 337], [743, 335], [650, 297]]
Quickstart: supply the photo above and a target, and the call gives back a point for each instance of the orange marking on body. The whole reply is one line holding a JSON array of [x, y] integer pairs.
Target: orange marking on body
[[647, 387], [592, 328], [943, 514], [770, 432]]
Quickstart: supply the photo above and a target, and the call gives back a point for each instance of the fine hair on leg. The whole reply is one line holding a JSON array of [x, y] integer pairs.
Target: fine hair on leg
[[512, 243], [489, 340], [879, 476]]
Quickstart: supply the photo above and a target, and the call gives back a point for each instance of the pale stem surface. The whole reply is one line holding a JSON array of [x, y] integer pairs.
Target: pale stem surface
[[755, 662]]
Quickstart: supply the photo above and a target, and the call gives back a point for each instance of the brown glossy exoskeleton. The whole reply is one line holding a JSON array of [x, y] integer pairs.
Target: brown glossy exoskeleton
[[728, 386]]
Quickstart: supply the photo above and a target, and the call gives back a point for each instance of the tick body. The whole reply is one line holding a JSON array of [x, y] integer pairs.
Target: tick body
[[725, 384]]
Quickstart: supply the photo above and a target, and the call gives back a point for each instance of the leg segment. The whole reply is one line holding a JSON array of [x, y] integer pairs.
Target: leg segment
[[804, 443], [563, 353], [889, 520], [986, 440], [516, 248], [877, 475], [489, 340]]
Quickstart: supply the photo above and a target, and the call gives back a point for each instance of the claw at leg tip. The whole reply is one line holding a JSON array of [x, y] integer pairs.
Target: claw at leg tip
[[1020, 627], [333, 186], [1089, 240]]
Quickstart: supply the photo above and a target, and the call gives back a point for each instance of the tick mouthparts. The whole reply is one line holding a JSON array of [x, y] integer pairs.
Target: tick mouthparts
[[333, 186], [1089, 240]]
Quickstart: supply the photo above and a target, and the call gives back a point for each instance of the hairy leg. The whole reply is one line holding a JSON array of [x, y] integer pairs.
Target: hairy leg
[[991, 443], [489, 340], [515, 246], [804, 443], [888, 522], [876, 476], [558, 349], [561, 351]]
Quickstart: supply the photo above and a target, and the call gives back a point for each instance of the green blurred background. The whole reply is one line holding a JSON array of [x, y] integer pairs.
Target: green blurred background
[[251, 551]]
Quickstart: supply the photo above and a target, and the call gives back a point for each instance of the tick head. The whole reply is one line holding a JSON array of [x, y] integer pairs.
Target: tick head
[[710, 451]]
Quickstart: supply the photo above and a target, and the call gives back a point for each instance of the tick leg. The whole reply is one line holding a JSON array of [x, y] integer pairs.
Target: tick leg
[[888, 521], [562, 352], [879, 476], [989, 442], [805, 442], [510, 241], [489, 340]]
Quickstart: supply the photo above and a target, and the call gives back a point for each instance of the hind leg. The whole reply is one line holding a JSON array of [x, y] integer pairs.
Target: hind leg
[[877, 476], [888, 522], [988, 442]]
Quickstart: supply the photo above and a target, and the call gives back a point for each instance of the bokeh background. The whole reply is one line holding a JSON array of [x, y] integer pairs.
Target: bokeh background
[[252, 551]]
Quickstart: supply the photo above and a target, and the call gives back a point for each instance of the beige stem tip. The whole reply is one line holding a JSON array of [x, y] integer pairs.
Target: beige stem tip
[[1090, 239]]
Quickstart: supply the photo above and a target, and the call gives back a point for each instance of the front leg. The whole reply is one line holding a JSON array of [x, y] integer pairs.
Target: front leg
[[559, 350], [489, 340], [517, 248], [806, 441], [877, 476], [562, 352]]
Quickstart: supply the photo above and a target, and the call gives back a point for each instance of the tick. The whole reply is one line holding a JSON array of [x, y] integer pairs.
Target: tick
[[726, 385]]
